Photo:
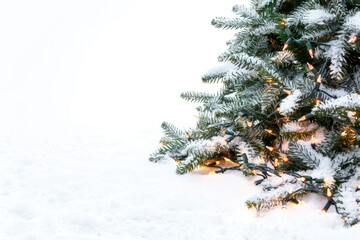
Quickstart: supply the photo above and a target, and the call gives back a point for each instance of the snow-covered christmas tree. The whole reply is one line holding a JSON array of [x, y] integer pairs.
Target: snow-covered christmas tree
[[289, 105]]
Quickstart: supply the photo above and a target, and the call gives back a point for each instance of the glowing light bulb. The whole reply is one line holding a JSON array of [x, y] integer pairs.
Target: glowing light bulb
[[285, 158], [306, 117], [286, 45], [302, 119], [311, 67], [317, 101], [311, 53], [227, 159], [249, 123], [318, 79], [269, 80], [276, 162], [353, 39], [343, 134], [261, 160], [282, 23], [352, 113], [328, 192], [302, 179], [288, 92], [270, 148], [269, 131], [313, 140]]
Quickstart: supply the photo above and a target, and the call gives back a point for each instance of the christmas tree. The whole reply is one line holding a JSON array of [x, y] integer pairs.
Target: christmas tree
[[287, 112]]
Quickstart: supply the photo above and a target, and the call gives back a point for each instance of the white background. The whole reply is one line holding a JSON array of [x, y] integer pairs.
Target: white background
[[115, 64]]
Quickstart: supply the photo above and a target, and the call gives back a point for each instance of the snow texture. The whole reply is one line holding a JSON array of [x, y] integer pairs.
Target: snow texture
[[353, 22], [224, 68], [80, 185], [317, 16], [298, 127], [348, 101], [289, 104], [336, 53]]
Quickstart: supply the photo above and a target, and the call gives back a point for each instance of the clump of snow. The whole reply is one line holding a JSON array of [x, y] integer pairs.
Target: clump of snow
[[210, 145], [348, 101], [334, 92], [290, 103], [224, 68], [261, 4], [299, 127], [336, 52], [353, 22], [317, 16]]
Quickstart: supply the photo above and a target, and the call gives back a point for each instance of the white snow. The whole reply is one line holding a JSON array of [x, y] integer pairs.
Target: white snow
[[348, 101], [98, 185], [353, 22], [317, 16], [84, 88], [289, 104]]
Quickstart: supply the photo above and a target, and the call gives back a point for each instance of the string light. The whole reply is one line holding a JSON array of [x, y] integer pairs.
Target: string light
[[328, 192], [306, 117], [249, 123], [271, 149], [343, 134], [285, 158], [313, 142], [317, 101], [287, 43], [269, 131], [261, 160], [310, 49], [318, 81], [354, 38], [305, 178], [269, 80], [282, 23], [288, 92], [352, 113], [327, 206], [302, 179], [276, 163], [311, 67]]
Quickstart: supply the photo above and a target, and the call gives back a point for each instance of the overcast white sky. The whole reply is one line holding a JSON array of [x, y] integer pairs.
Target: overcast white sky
[[94, 63]]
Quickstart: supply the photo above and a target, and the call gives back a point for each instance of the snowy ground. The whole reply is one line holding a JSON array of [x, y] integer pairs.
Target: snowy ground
[[84, 88], [91, 185]]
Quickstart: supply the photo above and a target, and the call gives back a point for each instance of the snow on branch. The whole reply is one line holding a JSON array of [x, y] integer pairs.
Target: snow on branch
[[353, 22], [289, 104], [348, 101], [317, 16]]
